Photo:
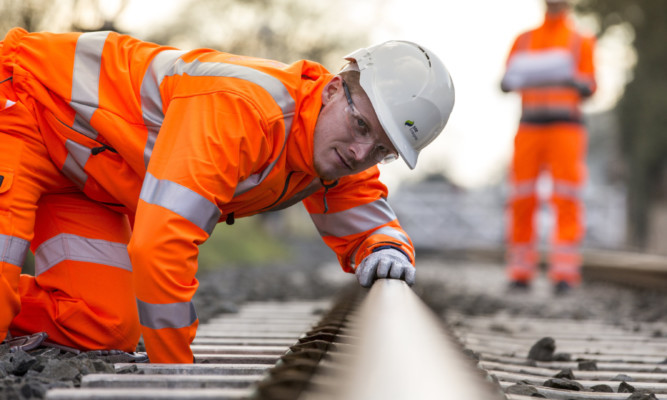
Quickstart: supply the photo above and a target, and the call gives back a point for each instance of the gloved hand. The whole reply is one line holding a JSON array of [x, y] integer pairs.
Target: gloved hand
[[386, 263]]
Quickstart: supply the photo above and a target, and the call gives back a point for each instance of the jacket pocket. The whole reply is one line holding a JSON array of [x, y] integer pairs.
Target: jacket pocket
[[10, 159], [6, 179]]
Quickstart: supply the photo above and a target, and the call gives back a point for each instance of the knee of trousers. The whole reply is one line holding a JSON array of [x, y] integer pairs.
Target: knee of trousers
[[93, 310]]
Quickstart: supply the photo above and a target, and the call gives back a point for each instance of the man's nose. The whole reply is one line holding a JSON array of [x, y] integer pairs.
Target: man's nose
[[362, 151]]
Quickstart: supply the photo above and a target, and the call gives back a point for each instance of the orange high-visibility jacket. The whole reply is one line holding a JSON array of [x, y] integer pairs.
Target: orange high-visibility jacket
[[182, 140], [567, 53]]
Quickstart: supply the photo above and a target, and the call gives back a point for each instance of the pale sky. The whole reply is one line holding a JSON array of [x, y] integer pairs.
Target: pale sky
[[472, 38]]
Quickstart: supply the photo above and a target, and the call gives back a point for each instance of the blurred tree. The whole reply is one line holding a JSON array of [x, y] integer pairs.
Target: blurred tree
[[283, 30], [60, 16], [642, 111]]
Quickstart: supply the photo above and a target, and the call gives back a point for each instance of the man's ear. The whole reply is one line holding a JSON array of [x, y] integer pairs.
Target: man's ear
[[330, 90]]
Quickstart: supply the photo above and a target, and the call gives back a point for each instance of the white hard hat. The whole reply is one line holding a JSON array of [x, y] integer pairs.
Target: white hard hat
[[411, 92]]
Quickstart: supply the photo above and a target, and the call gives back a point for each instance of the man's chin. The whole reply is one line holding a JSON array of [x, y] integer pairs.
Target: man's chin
[[328, 174], [327, 177]]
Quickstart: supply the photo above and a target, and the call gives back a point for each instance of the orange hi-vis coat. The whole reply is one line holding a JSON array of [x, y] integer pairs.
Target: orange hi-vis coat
[[118, 159], [550, 138]]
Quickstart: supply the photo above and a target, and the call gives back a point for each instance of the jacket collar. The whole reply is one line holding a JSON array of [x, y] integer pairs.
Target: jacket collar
[[555, 20], [301, 139]]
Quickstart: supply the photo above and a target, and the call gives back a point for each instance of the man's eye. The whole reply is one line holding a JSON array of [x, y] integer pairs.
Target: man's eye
[[362, 124]]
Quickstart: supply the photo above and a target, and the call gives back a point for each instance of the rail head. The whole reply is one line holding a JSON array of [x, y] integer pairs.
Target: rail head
[[403, 352]]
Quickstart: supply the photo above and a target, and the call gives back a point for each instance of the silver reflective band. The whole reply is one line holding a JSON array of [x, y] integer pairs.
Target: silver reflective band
[[355, 220], [393, 232], [13, 250], [566, 189], [180, 200], [151, 100], [86, 80], [70, 247], [523, 189], [174, 315], [77, 157], [385, 230]]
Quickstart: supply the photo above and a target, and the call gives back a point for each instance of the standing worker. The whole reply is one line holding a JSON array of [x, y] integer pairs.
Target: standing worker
[[118, 157], [552, 68]]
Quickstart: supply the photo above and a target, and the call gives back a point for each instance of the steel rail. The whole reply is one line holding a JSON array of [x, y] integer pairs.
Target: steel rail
[[401, 351]]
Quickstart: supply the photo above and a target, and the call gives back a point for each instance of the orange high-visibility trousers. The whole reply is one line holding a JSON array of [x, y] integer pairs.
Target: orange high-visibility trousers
[[78, 302], [559, 149]]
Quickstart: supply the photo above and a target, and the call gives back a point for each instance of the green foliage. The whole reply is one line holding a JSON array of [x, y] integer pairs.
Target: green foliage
[[245, 242], [643, 109]]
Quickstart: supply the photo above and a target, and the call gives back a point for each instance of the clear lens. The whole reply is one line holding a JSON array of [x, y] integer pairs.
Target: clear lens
[[361, 132], [358, 126], [390, 158]]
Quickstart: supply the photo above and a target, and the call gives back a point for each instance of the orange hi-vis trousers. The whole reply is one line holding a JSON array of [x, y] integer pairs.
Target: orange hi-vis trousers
[[559, 149], [78, 302]]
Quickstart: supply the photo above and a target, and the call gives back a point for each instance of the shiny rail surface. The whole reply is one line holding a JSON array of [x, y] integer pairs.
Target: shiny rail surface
[[396, 348]]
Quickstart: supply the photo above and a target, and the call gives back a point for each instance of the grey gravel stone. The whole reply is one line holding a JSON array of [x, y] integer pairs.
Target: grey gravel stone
[[642, 395], [20, 362], [520, 389], [565, 374], [542, 350], [587, 365], [622, 377], [624, 387], [602, 388], [565, 384]]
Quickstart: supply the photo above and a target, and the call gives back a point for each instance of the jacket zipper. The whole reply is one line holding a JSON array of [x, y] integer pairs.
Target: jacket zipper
[[289, 176], [94, 150]]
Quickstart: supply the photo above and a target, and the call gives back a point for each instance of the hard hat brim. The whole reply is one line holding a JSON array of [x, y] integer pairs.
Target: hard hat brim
[[404, 148], [400, 141]]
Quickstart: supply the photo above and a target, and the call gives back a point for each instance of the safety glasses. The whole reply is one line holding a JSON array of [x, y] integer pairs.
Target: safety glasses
[[361, 132]]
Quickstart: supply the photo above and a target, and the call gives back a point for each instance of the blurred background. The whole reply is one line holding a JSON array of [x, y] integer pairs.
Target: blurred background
[[455, 198]]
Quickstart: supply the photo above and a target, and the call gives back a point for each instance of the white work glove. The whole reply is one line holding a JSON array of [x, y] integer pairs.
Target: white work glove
[[386, 263]]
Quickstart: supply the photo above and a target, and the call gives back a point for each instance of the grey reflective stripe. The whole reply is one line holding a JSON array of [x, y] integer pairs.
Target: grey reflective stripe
[[151, 100], [566, 189], [13, 250], [70, 247], [272, 85], [8, 103], [523, 189], [355, 220], [174, 315], [86, 80], [522, 256], [565, 248], [385, 230], [77, 157], [393, 232], [181, 200]]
